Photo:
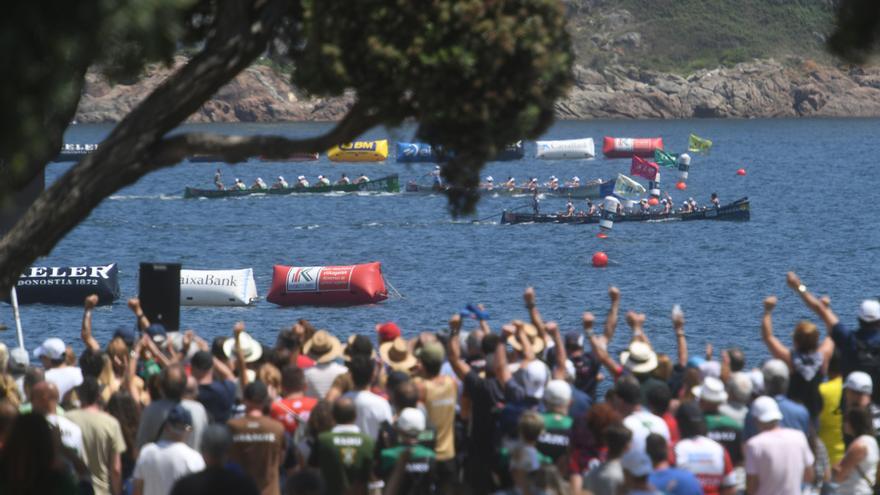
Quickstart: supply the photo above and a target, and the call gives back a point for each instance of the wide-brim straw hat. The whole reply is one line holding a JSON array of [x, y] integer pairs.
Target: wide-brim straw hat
[[531, 331], [396, 355], [323, 347], [251, 349], [639, 358]]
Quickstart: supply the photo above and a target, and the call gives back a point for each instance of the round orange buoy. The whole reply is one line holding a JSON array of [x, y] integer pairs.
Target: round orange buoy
[[602, 235], [653, 201], [681, 186], [600, 259], [741, 171]]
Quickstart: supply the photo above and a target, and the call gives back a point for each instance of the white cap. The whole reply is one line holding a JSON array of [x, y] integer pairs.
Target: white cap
[[436, 167], [684, 158], [576, 179], [859, 381], [534, 377], [237, 179], [490, 179], [411, 421], [869, 311], [18, 358], [52, 348], [557, 393], [320, 176], [301, 177], [712, 390], [553, 177], [259, 179], [637, 463], [280, 178], [765, 409]]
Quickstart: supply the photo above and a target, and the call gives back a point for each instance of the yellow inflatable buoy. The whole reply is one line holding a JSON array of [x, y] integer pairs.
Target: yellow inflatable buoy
[[360, 151]]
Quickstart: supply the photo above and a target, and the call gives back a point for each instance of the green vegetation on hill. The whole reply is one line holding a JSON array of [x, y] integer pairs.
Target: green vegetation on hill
[[685, 35]]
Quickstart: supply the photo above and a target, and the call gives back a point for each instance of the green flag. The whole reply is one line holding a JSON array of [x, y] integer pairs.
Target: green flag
[[697, 144], [665, 159]]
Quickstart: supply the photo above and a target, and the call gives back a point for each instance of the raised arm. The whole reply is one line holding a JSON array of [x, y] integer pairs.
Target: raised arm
[[460, 367], [636, 321], [600, 346], [680, 339], [534, 314], [502, 372], [134, 304], [484, 324], [611, 319], [240, 363], [827, 345], [528, 351], [559, 347], [776, 348], [86, 331], [822, 311]]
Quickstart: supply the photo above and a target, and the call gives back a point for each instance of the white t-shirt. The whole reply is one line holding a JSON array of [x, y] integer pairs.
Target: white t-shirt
[[161, 464], [642, 423], [71, 434], [856, 484], [319, 378], [779, 458], [372, 410], [65, 379], [708, 460]]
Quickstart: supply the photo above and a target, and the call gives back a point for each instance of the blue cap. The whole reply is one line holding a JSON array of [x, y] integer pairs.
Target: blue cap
[[695, 362], [126, 334], [157, 332], [179, 416]]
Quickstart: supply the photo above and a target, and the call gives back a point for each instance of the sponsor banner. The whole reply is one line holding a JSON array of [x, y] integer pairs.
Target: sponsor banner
[[319, 278], [327, 285], [217, 287], [68, 285]]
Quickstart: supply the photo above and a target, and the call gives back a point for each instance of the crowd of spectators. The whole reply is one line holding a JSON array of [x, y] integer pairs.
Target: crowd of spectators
[[523, 409]]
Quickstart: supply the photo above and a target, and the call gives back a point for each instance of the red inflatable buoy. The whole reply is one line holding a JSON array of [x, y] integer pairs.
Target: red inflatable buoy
[[681, 186], [602, 235], [600, 259], [613, 147], [327, 285], [741, 171], [653, 201]]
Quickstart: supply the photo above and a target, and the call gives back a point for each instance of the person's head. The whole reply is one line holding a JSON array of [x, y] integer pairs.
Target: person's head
[[4, 357], [178, 424], [359, 345], [92, 362], [636, 469], [534, 378], [387, 331], [858, 422], [361, 368], [766, 412], [737, 359], [858, 389], [739, 388], [617, 438], [293, 380], [89, 391], [123, 406], [344, 412], [805, 338], [216, 442], [255, 396], [32, 376], [711, 394], [639, 358], [691, 422], [869, 314], [44, 398], [599, 418], [271, 376], [217, 348], [305, 482], [118, 352], [775, 373], [658, 398], [431, 357], [29, 454], [530, 426], [663, 371], [288, 339], [18, 361], [201, 365], [627, 395], [656, 448], [405, 394], [173, 382], [557, 396], [320, 418], [410, 424], [51, 352]]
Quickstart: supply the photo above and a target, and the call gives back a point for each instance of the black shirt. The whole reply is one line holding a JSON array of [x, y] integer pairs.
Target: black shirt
[[214, 480], [218, 397], [487, 399]]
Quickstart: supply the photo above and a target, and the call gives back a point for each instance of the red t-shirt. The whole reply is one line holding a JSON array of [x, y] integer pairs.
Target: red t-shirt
[[303, 362], [291, 412]]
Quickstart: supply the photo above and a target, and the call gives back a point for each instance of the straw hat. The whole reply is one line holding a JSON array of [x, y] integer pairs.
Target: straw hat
[[323, 347], [251, 348], [396, 355], [639, 358], [532, 333]]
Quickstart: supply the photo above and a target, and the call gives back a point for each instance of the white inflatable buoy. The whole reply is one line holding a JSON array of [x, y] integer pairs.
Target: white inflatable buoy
[[566, 149], [684, 164], [609, 213], [217, 287]]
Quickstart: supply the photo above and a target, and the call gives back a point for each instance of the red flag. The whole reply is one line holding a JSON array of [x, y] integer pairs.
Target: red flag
[[644, 168]]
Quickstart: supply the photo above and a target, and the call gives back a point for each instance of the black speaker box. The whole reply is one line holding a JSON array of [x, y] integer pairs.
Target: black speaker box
[[159, 292]]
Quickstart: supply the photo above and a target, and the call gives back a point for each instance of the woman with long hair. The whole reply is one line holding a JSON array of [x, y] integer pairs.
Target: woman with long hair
[[857, 471], [30, 463], [126, 410]]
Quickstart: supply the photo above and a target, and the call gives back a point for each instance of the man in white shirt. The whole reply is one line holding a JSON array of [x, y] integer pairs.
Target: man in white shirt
[[778, 459], [51, 354], [160, 464], [372, 410], [44, 400], [639, 421], [324, 349]]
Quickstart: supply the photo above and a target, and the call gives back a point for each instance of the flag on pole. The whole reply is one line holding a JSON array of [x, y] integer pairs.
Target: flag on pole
[[625, 186], [697, 144], [643, 168], [665, 159]]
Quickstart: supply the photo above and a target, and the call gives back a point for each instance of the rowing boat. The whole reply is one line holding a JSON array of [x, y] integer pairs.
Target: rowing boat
[[591, 190], [384, 184], [738, 211]]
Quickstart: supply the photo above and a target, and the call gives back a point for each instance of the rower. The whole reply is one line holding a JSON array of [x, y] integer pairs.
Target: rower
[[323, 181], [591, 208], [343, 181], [259, 185], [533, 185], [685, 207], [218, 180], [535, 202], [574, 182], [693, 204], [715, 201], [667, 205], [569, 209], [280, 183], [302, 182], [239, 185], [489, 184], [362, 179], [643, 205], [511, 183], [437, 180], [554, 183]]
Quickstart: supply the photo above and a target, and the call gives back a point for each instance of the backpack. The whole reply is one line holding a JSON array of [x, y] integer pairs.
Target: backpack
[[806, 391], [867, 359]]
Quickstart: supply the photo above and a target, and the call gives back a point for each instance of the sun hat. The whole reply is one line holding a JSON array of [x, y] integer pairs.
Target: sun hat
[[534, 379], [411, 421], [712, 390], [358, 345], [251, 348], [52, 348], [639, 358], [859, 381], [532, 334], [323, 347], [557, 393], [869, 310], [637, 463], [396, 355], [387, 331], [765, 409], [431, 353]]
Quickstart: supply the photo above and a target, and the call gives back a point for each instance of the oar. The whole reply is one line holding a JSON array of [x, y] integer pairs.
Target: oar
[[495, 215]]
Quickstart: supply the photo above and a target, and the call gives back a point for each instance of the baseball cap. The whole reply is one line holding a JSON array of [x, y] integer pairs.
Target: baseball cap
[[157, 332], [178, 416], [859, 381], [18, 360], [637, 463], [431, 353], [869, 310], [387, 331], [127, 334], [765, 409], [534, 378], [52, 348], [574, 341], [411, 421], [712, 390], [557, 393], [202, 360]]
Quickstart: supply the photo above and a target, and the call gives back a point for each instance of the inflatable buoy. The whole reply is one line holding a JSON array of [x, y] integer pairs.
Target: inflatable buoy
[[600, 259], [741, 171], [681, 186], [628, 147], [68, 285], [327, 285], [566, 149], [684, 164], [217, 287], [653, 201], [359, 151], [416, 153], [609, 213], [602, 235]]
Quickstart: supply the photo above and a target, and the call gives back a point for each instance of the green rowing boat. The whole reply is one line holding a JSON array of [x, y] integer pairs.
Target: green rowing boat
[[390, 184]]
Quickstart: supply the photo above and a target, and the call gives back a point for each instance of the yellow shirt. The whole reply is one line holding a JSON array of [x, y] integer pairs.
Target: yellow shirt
[[440, 399], [831, 419]]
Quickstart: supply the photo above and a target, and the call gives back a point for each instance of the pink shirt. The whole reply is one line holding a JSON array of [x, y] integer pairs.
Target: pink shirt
[[779, 458]]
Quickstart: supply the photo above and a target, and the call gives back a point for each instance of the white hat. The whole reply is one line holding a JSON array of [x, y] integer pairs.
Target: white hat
[[757, 379], [411, 421], [869, 311], [320, 176], [553, 177], [490, 179], [859, 381], [301, 177], [712, 390], [576, 178], [765, 409], [237, 179], [259, 179], [639, 358], [637, 463], [557, 393], [18, 359], [251, 349], [436, 167], [53, 348], [280, 178], [534, 378]]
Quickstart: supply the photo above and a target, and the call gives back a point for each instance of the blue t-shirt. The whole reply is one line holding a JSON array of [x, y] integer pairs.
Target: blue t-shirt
[[674, 481], [218, 397], [794, 416]]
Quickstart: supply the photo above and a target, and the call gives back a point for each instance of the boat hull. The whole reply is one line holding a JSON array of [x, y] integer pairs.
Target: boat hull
[[390, 184], [738, 211]]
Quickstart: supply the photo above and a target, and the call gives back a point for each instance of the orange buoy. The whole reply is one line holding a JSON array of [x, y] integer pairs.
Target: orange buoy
[[602, 235], [653, 201], [741, 171], [681, 186], [600, 259]]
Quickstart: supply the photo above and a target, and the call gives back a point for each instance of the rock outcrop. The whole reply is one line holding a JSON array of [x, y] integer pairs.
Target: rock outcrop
[[761, 88]]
